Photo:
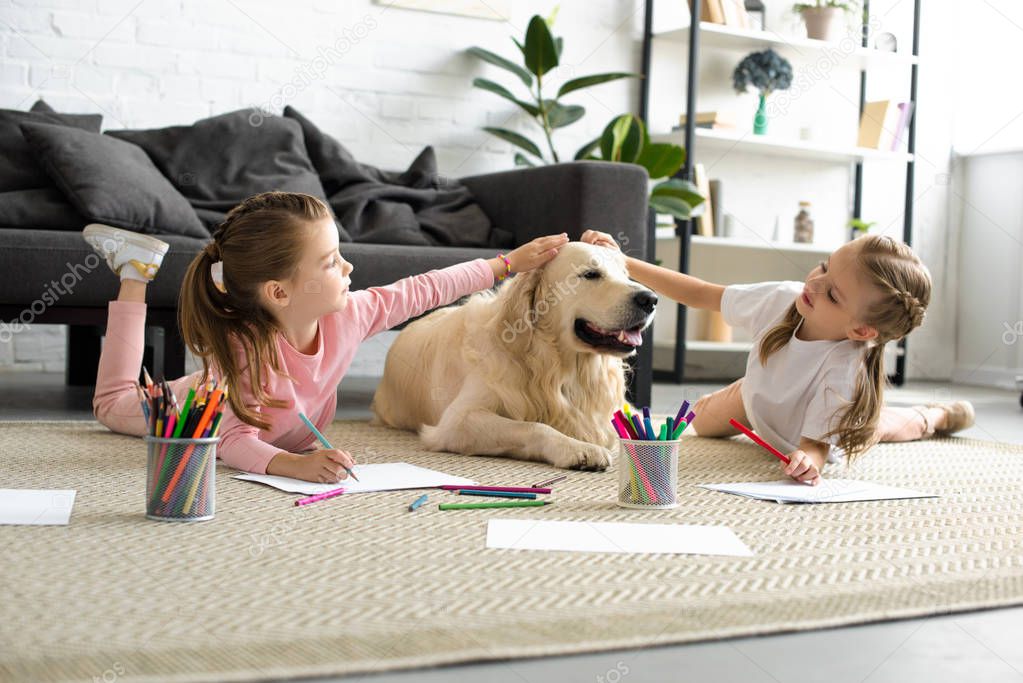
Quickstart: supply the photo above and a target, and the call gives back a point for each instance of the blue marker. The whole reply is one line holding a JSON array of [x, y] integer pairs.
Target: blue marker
[[323, 440], [417, 502], [650, 433]]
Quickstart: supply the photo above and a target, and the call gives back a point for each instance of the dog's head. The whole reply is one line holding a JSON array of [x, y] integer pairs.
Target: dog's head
[[584, 297]]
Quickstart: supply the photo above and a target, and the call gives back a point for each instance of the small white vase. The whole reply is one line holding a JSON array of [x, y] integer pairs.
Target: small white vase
[[824, 23]]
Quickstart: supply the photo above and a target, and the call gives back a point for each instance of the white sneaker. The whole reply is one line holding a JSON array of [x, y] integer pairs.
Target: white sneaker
[[120, 248]]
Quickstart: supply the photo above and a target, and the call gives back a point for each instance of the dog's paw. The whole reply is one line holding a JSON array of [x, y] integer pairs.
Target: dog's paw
[[588, 457]]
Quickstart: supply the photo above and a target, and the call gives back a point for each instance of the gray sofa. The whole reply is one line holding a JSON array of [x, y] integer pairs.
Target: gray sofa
[[35, 287]]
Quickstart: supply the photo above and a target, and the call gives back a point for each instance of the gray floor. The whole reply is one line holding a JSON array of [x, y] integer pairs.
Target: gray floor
[[981, 646]]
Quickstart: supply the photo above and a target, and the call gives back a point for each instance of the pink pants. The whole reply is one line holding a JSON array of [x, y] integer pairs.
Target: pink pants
[[116, 402]]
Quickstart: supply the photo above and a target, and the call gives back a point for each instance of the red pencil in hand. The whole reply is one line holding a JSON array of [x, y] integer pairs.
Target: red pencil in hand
[[756, 439]]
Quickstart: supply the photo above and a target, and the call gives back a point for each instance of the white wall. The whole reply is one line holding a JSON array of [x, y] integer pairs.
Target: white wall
[[760, 190], [385, 81]]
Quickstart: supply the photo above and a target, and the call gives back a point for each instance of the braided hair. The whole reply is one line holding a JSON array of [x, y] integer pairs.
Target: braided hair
[[904, 283]]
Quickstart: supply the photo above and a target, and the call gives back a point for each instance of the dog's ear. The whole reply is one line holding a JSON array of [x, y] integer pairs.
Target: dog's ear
[[522, 305]]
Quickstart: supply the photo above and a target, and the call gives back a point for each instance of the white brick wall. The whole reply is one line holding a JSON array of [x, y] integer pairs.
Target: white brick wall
[[394, 80]]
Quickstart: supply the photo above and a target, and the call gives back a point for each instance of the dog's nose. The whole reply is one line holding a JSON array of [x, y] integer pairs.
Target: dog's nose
[[645, 301]]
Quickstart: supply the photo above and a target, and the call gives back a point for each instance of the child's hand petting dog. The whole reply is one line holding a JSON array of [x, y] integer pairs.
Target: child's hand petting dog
[[536, 253], [601, 239]]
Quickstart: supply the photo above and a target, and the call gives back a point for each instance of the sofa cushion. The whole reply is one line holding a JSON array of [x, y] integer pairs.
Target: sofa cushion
[[42, 106], [111, 181], [18, 167], [217, 162], [43, 208]]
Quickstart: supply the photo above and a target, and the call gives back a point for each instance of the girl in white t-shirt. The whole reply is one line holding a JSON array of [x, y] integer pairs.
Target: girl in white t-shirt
[[815, 380]]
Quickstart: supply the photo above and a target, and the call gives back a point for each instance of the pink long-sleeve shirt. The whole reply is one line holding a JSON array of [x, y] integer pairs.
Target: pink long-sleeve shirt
[[314, 378]]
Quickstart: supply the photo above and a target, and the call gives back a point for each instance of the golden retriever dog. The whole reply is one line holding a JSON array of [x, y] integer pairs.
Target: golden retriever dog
[[532, 371]]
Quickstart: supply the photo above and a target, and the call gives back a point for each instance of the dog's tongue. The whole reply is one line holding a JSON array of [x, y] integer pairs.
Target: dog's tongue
[[631, 337]]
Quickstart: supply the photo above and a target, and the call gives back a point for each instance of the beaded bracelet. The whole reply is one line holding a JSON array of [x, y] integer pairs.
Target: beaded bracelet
[[507, 267]]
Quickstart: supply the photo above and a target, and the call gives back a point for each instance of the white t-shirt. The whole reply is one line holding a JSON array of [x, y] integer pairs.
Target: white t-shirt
[[805, 385]]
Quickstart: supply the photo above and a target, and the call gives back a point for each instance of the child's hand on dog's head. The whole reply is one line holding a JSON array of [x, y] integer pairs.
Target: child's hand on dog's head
[[535, 253], [601, 239]]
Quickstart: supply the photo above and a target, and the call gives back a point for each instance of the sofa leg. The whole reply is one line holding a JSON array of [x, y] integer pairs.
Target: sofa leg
[[639, 390], [173, 353], [83, 347]]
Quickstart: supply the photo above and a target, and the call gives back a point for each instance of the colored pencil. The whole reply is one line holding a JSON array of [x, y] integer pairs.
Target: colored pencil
[[183, 417], [757, 440], [417, 503], [547, 483], [323, 440], [511, 489], [319, 496], [502, 504], [207, 413], [496, 494]]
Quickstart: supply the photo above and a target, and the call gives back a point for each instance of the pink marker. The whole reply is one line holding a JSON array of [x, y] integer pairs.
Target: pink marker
[[319, 496]]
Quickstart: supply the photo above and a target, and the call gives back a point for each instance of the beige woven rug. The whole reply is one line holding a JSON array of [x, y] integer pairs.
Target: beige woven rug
[[357, 584]]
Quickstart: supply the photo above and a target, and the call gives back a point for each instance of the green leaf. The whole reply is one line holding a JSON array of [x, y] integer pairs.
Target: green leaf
[[516, 139], [541, 54], [560, 115], [522, 48], [500, 90], [585, 152], [595, 79], [522, 160], [552, 16], [498, 60], [671, 206], [661, 159], [681, 190], [622, 139], [559, 44]]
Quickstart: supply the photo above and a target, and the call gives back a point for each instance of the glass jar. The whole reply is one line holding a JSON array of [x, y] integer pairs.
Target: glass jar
[[803, 227]]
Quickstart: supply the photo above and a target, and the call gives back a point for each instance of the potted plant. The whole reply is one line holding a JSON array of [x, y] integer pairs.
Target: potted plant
[[859, 227], [541, 53], [625, 140], [824, 19], [766, 71]]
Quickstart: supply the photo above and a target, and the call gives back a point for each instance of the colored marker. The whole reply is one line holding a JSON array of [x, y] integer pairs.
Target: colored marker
[[650, 433], [640, 431], [496, 494], [323, 440], [681, 411], [319, 496], [414, 505], [757, 440], [502, 504]]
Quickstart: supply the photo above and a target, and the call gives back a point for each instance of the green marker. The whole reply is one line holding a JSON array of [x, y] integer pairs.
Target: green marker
[[503, 504], [184, 413]]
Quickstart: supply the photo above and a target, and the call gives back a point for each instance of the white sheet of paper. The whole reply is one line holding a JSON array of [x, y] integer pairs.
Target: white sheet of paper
[[828, 491], [390, 476], [36, 506], [614, 537]]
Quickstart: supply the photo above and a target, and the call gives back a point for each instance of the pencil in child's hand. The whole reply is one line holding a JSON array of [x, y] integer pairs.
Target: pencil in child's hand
[[323, 440], [760, 442]]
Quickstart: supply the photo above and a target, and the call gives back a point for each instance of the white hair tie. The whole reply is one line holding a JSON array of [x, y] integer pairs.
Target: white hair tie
[[217, 273]]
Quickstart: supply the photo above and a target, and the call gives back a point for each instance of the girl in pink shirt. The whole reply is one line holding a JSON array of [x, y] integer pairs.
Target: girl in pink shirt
[[267, 307]]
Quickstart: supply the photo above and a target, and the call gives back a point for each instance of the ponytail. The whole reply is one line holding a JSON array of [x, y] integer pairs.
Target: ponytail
[[261, 239]]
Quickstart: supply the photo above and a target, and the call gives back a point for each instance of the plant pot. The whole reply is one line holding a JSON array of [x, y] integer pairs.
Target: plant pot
[[824, 23], [760, 118]]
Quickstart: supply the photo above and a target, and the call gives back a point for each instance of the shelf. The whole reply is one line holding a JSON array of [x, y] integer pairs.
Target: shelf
[[666, 233], [777, 146], [729, 37], [727, 347]]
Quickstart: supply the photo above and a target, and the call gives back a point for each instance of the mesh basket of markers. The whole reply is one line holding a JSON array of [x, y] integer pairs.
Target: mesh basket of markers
[[181, 442], [648, 463]]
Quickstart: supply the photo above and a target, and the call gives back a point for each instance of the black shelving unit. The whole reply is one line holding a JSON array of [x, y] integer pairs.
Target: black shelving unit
[[684, 228]]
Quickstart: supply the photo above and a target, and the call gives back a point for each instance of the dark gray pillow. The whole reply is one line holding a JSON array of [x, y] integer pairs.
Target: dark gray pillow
[[40, 105], [18, 167], [217, 162], [111, 181]]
